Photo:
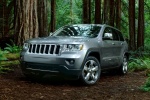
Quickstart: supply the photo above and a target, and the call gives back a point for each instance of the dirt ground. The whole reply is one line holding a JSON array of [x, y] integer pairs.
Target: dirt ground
[[14, 86]]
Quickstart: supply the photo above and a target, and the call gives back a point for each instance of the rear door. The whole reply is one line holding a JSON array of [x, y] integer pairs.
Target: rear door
[[120, 43]]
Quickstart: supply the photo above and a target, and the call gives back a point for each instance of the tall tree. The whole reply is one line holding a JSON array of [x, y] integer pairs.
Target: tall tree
[[86, 11], [5, 16], [53, 15], [106, 12], [42, 18], [132, 41], [140, 35], [98, 11], [26, 26], [118, 14], [112, 12]]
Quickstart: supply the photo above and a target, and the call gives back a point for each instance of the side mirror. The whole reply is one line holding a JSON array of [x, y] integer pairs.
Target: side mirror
[[107, 36]]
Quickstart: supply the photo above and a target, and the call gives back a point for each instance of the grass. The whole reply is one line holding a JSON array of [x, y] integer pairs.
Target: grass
[[12, 56], [12, 59]]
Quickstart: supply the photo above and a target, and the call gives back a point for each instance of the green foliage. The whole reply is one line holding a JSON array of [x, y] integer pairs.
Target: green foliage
[[147, 72], [2, 57], [139, 64], [4, 70], [12, 48], [146, 86], [4, 60]]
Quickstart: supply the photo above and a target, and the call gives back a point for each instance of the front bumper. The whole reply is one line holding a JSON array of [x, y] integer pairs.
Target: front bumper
[[51, 70], [66, 65]]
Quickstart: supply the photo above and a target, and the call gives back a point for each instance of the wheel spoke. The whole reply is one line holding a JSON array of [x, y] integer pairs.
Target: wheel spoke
[[87, 77], [92, 62], [95, 69], [85, 68], [93, 76]]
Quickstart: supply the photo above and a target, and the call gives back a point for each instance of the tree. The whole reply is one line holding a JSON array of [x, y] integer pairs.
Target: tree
[[140, 35], [132, 41], [118, 14], [26, 19], [86, 11], [112, 12], [42, 18], [53, 15], [98, 12], [106, 12]]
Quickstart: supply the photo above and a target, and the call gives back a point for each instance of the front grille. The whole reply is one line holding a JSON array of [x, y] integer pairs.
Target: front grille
[[44, 49]]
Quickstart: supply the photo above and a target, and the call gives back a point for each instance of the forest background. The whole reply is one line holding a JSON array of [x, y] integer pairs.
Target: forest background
[[24, 19]]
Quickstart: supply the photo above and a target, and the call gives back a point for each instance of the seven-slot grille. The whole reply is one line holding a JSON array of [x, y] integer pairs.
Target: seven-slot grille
[[44, 49]]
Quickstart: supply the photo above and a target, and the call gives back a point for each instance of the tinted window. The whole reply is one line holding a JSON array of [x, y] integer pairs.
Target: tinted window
[[79, 30], [120, 36], [115, 35]]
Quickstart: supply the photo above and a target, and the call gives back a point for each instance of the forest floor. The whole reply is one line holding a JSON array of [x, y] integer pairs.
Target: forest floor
[[14, 86]]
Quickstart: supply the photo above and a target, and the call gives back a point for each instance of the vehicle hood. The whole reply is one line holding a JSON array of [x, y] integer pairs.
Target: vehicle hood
[[60, 39]]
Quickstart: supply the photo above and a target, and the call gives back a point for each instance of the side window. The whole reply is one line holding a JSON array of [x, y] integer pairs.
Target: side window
[[115, 35], [120, 36]]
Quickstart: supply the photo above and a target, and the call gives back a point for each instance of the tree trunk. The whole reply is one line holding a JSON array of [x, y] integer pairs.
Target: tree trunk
[[140, 36], [106, 12], [118, 14], [53, 15], [86, 11], [98, 12], [42, 18], [132, 34], [111, 13], [26, 26]]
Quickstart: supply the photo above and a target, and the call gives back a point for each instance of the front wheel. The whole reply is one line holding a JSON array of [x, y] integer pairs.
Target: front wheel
[[124, 66], [91, 71]]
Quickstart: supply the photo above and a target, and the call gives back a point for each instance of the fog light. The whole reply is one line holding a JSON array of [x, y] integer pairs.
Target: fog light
[[70, 61]]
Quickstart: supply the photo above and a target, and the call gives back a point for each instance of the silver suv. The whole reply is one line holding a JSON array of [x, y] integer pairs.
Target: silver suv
[[80, 51]]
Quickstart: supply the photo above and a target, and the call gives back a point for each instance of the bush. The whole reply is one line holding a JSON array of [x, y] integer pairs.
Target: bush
[[12, 48], [139, 64], [2, 53], [146, 86]]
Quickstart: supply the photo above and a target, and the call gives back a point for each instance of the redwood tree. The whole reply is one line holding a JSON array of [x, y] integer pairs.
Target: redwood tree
[[53, 15], [42, 18], [26, 19], [98, 11], [86, 11], [112, 12], [132, 41], [140, 35], [118, 14]]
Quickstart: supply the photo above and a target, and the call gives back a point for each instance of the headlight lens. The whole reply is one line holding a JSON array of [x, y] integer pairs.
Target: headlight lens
[[26, 46], [72, 47]]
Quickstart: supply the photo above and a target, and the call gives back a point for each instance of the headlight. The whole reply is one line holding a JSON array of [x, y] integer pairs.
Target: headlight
[[26, 46], [72, 47]]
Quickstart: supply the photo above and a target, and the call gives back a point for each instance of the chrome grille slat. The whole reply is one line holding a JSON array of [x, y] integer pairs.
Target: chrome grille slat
[[50, 49]]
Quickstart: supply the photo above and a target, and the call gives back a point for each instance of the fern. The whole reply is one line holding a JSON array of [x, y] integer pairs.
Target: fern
[[146, 86], [12, 49]]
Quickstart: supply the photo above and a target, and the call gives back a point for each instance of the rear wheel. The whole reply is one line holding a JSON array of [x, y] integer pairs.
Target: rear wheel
[[124, 66], [91, 71]]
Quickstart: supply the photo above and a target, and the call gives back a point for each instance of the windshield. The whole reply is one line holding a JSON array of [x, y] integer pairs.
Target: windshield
[[90, 31]]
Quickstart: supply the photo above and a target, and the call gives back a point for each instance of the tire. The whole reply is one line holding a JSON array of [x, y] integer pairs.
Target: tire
[[124, 66], [91, 71]]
